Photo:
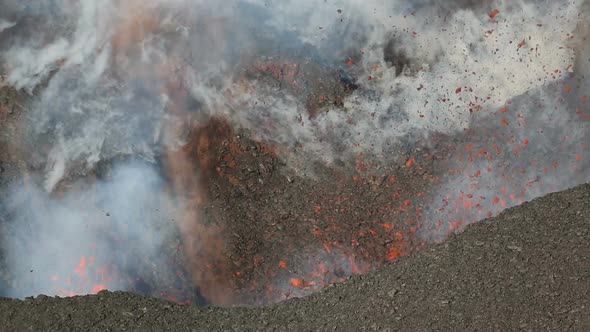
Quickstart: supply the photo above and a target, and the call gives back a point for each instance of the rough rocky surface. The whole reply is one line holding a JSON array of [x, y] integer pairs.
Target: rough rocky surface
[[527, 269], [11, 111]]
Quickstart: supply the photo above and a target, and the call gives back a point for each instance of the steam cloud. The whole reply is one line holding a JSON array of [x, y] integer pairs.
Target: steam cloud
[[96, 236], [107, 76]]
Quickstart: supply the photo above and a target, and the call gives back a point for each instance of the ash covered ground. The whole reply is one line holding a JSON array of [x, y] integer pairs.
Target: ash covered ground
[[524, 270], [234, 156]]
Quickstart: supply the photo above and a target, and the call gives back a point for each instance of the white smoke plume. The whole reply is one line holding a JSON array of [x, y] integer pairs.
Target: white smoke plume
[[414, 59], [6, 25], [105, 235]]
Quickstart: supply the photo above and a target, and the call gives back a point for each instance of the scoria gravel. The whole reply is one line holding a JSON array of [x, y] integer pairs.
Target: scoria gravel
[[527, 269]]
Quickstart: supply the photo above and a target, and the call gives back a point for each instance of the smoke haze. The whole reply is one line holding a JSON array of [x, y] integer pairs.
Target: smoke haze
[[100, 234]]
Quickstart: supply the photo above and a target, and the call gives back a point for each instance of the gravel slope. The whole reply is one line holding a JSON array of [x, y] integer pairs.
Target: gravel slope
[[528, 269]]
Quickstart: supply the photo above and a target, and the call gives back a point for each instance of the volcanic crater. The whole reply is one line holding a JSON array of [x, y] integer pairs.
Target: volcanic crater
[[295, 172]]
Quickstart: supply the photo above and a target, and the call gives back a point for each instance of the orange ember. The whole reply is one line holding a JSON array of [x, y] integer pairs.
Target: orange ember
[[494, 13], [298, 283], [393, 255]]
